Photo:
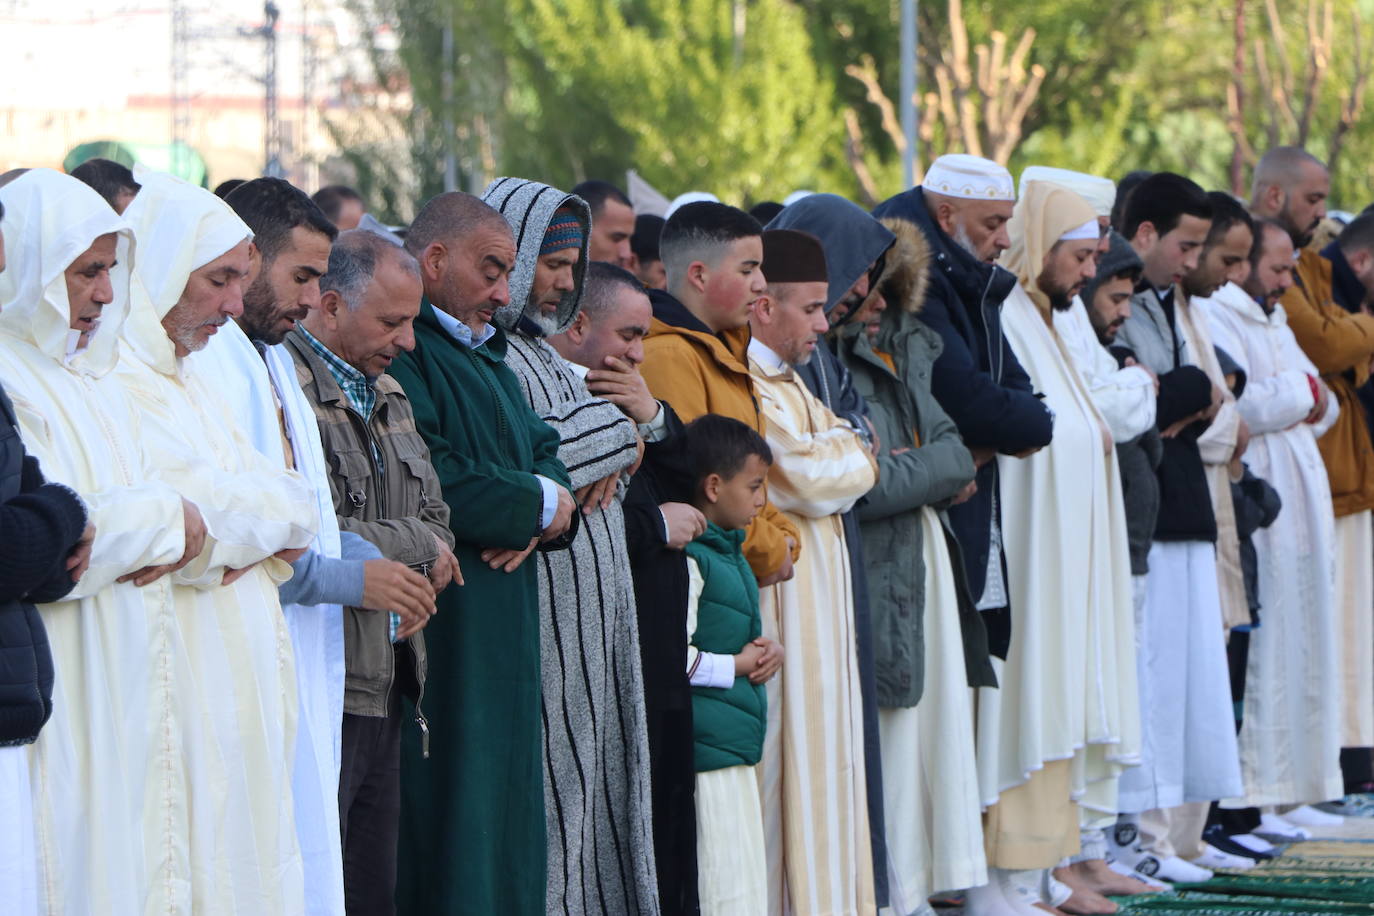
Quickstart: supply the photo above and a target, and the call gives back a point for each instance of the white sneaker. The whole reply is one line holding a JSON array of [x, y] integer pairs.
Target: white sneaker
[[1278, 826], [1121, 868], [1254, 843], [1176, 871], [1307, 816], [1212, 858]]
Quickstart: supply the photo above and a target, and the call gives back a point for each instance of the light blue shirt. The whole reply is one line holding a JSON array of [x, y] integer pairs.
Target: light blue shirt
[[463, 334]]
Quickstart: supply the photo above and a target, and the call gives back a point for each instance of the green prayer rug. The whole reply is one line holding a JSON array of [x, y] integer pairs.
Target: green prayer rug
[[1325, 876]]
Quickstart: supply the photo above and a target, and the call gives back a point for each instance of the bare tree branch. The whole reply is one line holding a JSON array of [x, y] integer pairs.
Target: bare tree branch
[[854, 153]]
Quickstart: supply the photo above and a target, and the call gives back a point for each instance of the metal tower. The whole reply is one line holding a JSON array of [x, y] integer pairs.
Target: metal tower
[[180, 88], [272, 165]]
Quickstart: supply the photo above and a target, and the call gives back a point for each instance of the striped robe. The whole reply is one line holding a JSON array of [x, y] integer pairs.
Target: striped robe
[[814, 798], [596, 757]]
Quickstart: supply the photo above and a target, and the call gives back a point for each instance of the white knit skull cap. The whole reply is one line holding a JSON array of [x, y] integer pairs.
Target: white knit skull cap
[[969, 177]]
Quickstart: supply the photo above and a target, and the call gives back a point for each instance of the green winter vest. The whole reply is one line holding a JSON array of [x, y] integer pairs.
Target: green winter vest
[[728, 723]]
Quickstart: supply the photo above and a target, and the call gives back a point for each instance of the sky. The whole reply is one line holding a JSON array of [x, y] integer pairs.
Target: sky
[[65, 54]]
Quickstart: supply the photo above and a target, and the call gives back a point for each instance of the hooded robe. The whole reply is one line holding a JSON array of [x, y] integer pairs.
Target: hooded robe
[[596, 760], [98, 744], [182, 717], [1068, 687], [1290, 739], [247, 655]]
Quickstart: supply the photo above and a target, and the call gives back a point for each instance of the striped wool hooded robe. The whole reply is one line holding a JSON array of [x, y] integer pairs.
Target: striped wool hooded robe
[[596, 758]]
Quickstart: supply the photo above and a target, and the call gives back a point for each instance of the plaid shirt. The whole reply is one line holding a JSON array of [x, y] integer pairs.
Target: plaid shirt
[[355, 386], [362, 397]]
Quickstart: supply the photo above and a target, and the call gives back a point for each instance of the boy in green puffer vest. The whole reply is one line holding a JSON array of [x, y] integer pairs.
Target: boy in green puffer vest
[[728, 661]]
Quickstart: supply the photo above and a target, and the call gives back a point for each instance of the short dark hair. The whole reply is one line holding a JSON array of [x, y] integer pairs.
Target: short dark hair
[[765, 210], [1258, 225], [721, 445], [1226, 212], [600, 285], [1162, 200], [227, 187], [596, 192], [107, 177], [644, 243], [331, 199], [272, 207], [1124, 188], [700, 232], [1358, 234]]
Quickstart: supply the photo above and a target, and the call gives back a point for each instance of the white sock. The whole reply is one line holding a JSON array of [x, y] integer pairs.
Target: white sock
[[1307, 816], [1253, 843], [1214, 858]]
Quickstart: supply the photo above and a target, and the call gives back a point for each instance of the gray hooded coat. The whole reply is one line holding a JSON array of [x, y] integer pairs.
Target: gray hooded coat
[[596, 761], [853, 240]]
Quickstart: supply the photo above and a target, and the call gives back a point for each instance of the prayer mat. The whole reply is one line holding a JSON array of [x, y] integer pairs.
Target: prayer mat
[[1322, 876]]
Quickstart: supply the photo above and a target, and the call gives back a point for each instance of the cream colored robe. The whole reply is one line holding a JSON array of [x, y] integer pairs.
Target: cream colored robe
[[1069, 686], [814, 797], [225, 839]]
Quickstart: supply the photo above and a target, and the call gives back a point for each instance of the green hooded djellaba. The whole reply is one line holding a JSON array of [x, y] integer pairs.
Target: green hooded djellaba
[[472, 812]]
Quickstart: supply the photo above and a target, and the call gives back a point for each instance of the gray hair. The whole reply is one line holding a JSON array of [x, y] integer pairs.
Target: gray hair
[[603, 284], [353, 261]]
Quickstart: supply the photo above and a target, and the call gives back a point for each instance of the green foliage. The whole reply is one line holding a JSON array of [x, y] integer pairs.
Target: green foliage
[[748, 98]]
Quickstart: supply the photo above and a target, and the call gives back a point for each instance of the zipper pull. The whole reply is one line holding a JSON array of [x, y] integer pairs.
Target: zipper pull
[[421, 721]]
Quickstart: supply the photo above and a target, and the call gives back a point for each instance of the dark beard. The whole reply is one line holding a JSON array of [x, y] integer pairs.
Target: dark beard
[[258, 313], [1060, 302]]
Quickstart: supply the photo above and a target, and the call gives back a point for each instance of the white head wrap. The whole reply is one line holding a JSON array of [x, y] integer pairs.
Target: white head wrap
[[1096, 190], [690, 197], [181, 228], [50, 221], [969, 177], [1043, 217], [1089, 230]]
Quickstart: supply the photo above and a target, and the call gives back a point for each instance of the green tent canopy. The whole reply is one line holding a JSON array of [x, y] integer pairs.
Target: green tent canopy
[[176, 158]]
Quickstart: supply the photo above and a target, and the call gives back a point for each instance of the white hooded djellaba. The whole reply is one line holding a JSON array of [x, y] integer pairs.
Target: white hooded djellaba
[[227, 838], [1290, 738]]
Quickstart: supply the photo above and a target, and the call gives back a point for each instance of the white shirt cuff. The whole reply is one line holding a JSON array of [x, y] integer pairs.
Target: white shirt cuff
[[656, 430], [713, 670], [550, 501]]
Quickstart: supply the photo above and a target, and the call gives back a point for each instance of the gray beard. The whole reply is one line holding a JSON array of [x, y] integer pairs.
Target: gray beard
[[547, 324], [963, 241]]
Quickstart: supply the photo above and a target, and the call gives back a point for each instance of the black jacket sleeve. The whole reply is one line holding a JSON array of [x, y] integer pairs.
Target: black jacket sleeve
[[38, 528]]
